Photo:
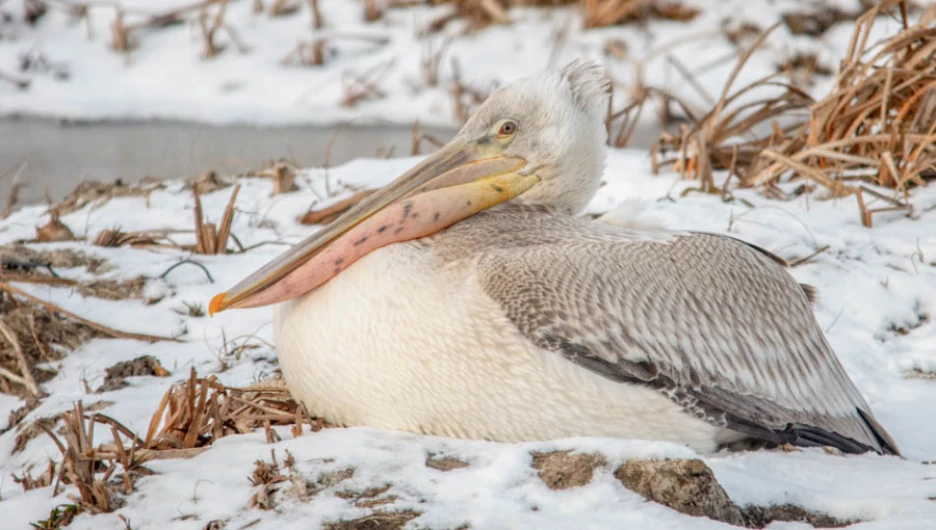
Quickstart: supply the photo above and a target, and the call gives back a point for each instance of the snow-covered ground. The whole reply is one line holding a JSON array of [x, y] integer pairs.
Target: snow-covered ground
[[877, 292], [877, 286], [166, 76]]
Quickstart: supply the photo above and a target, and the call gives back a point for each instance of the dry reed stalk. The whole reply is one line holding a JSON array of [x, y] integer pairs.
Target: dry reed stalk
[[372, 12], [600, 13], [306, 54], [89, 469], [364, 86], [29, 482], [466, 98], [111, 332], [42, 280], [431, 58], [15, 186], [55, 229], [123, 39], [210, 239], [877, 125], [196, 413], [117, 238], [330, 213], [417, 138], [283, 174], [27, 380], [173, 16], [78, 466], [211, 49], [318, 22], [283, 7]]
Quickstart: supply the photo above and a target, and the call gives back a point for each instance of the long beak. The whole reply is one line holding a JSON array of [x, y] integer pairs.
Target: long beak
[[460, 180]]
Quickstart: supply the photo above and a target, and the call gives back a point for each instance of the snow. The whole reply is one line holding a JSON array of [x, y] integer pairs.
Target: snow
[[872, 282], [868, 280], [167, 78]]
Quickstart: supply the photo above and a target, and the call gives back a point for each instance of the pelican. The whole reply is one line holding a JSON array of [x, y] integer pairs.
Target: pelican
[[468, 299]]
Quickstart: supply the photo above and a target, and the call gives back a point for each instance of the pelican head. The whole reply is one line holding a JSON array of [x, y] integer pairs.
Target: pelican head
[[540, 139]]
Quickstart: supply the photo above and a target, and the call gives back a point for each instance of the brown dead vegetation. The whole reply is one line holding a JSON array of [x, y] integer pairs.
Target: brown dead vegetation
[[480, 14], [561, 470], [194, 414], [877, 127], [445, 463], [54, 231], [330, 213], [365, 86], [190, 417], [97, 193], [266, 477], [19, 263], [376, 521], [282, 173], [116, 376], [208, 182], [32, 335], [210, 238], [91, 471], [115, 237], [35, 332]]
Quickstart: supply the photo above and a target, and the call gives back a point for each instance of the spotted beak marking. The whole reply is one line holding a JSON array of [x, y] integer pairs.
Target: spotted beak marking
[[458, 181]]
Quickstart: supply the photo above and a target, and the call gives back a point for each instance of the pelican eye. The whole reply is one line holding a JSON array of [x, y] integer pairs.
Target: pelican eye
[[508, 128]]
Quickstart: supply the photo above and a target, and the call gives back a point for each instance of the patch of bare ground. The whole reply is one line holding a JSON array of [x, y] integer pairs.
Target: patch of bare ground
[[689, 486], [761, 516], [444, 463], [369, 497], [277, 483], [918, 373], [561, 470], [116, 376], [27, 260], [376, 521]]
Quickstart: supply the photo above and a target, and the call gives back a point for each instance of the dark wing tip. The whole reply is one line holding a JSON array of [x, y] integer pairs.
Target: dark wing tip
[[811, 292], [884, 439]]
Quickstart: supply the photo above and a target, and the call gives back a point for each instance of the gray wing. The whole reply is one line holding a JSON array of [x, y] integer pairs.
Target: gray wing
[[718, 326]]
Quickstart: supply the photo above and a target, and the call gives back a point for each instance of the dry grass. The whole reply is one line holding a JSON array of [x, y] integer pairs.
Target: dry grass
[[190, 417], [194, 414], [33, 335], [90, 470], [365, 86], [54, 230], [34, 332], [876, 127], [96, 193], [283, 175], [115, 237], [595, 13], [330, 213], [211, 238]]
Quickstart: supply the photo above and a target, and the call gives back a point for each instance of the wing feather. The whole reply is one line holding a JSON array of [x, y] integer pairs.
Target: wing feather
[[717, 325]]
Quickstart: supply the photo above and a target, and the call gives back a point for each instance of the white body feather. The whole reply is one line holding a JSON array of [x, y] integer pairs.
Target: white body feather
[[395, 342]]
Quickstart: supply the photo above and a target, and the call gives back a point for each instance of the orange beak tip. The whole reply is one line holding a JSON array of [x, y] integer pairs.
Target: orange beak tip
[[217, 304]]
